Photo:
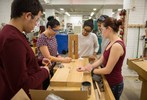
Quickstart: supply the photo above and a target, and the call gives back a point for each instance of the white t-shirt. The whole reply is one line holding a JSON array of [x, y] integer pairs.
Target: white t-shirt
[[87, 45]]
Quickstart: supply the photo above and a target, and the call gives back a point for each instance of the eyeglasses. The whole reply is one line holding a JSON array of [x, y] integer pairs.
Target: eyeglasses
[[36, 19], [56, 31], [102, 18], [87, 31], [102, 29]]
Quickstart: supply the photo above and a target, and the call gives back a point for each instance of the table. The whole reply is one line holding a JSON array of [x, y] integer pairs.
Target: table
[[140, 66], [68, 78]]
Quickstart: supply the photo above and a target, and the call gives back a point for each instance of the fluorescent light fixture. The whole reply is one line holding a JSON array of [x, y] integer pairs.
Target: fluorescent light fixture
[[90, 17], [44, 12], [67, 13], [119, 9], [61, 9], [92, 13], [47, 1], [94, 9]]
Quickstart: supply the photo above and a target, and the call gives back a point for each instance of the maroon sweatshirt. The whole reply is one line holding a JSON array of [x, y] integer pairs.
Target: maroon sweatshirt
[[18, 65]]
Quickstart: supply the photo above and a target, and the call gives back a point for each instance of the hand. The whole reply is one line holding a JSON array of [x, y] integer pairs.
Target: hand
[[59, 56], [92, 58], [67, 60], [46, 62], [45, 67], [88, 67], [81, 69]]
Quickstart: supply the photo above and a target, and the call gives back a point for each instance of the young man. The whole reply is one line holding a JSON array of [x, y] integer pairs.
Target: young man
[[18, 66], [88, 42]]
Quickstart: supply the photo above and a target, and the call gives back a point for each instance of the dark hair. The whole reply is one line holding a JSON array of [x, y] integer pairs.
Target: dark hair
[[18, 7], [113, 23], [102, 18], [52, 22], [89, 23]]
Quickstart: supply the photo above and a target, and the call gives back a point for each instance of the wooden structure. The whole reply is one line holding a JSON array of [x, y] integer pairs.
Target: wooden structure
[[68, 79], [73, 46], [140, 66]]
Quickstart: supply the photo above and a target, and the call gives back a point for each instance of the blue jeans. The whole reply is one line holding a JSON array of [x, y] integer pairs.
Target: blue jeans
[[117, 90]]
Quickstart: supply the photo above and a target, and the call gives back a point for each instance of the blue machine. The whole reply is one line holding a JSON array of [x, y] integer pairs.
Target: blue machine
[[62, 41]]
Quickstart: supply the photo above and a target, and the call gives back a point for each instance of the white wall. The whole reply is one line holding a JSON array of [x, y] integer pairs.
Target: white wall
[[5, 10], [76, 20], [136, 16], [104, 12]]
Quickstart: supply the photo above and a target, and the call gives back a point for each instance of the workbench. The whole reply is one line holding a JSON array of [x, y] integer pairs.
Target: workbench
[[68, 78], [140, 66]]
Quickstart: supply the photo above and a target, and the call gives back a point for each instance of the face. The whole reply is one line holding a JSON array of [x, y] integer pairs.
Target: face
[[86, 30], [99, 26], [31, 21], [54, 30], [105, 31]]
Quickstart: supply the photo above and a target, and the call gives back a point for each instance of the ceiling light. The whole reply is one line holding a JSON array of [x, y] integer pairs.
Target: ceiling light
[[90, 17], [67, 13], [119, 9], [94, 9], [92, 13], [44, 12], [47, 1], [61, 9]]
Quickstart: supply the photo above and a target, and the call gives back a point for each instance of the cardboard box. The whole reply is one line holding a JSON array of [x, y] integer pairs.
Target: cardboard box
[[42, 94]]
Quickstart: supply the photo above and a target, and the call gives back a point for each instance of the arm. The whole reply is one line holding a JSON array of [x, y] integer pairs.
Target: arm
[[98, 62], [115, 53], [96, 45], [19, 73], [45, 52]]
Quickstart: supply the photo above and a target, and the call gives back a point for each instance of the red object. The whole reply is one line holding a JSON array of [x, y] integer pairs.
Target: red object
[[115, 77], [42, 29], [18, 65], [121, 33]]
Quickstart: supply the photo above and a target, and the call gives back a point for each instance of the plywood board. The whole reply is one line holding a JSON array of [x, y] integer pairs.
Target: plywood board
[[60, 77]]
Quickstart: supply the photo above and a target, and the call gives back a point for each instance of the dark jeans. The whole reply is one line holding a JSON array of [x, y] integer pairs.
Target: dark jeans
[[117, 90]]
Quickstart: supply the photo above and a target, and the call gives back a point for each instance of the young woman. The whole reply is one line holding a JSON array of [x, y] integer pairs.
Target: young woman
[[87, 41], [47, 44], [112, 58]]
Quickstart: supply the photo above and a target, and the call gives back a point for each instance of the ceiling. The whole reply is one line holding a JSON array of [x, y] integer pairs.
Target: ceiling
[[79, 9]]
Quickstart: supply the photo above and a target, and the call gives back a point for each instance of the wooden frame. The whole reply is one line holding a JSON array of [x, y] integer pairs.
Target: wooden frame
[[73, 46]]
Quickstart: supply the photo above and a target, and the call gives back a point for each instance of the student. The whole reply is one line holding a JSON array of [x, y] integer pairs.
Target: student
[[47, 45], [105, 42], [87, 41], [18, 65], [112, 58]]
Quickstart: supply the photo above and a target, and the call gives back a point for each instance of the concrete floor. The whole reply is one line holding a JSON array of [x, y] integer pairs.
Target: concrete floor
[[132, 88]]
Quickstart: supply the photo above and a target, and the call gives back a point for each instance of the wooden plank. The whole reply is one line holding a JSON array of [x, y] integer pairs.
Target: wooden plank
[[108, 93], [144, 91], [73, 46], [98, 89], [75, 78], [60, 77], [70, 46], [140, 67], [87, 77]]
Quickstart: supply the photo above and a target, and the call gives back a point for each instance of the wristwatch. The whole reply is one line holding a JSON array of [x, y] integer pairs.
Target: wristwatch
[[92, 71]]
